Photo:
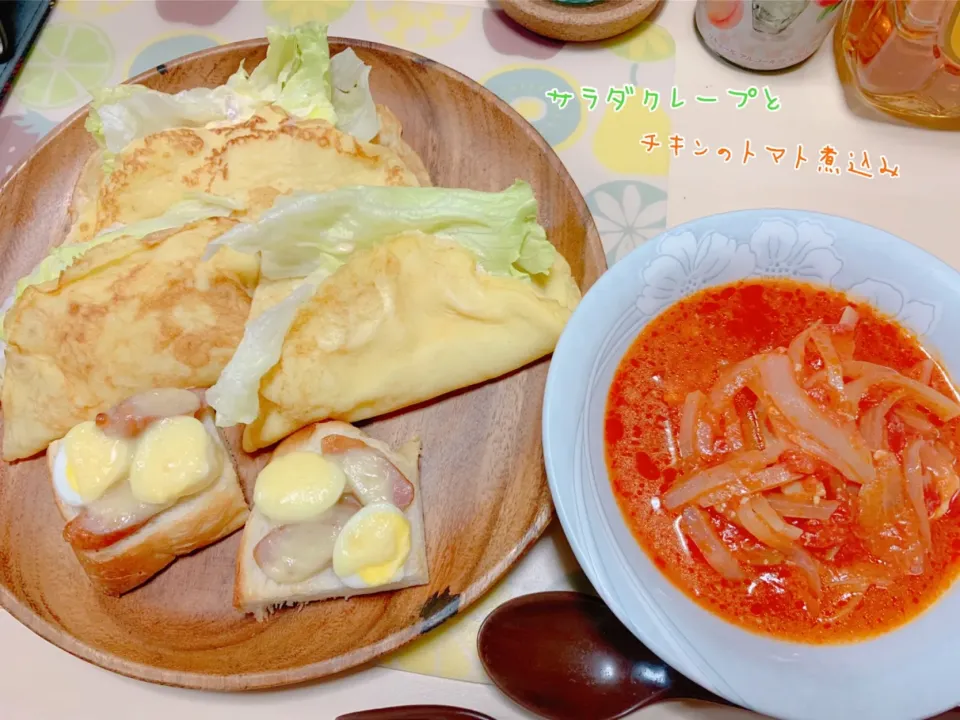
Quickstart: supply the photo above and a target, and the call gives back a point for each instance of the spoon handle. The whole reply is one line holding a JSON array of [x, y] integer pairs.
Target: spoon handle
[[417, 712]]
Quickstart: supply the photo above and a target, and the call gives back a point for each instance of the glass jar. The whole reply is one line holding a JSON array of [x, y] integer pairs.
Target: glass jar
[[765, 34], [903, 57]]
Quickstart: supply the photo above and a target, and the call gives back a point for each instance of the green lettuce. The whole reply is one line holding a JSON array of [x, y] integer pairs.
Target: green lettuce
[[297, 75], [311, 235], [356, 111], [200, 206], [236, 394], [305, 232]]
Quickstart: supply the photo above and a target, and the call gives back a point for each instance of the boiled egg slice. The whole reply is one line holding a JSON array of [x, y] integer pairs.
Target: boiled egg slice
[[298, 487], [175, 457], [88, 463], [373, 547]]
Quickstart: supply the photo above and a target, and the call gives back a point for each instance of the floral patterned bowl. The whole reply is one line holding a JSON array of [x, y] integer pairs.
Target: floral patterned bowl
[[877, 679]]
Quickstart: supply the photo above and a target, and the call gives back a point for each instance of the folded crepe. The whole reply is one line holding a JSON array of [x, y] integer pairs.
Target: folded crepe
[[300, 121], [404, 322], [412, 293], [252, 163], [133, 312], [391, 136], [298, 76]]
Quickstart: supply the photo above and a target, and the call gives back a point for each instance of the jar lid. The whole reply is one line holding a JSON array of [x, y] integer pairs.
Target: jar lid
[[579, 20]]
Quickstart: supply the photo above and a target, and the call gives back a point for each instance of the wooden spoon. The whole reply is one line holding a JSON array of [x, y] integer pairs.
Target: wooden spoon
[[565, 656]]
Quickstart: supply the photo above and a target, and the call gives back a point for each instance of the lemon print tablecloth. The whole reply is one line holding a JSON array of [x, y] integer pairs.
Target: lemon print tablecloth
[[596, 132]]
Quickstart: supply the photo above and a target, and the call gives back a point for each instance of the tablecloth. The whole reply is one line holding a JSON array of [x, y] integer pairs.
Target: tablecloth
[[633, 192]]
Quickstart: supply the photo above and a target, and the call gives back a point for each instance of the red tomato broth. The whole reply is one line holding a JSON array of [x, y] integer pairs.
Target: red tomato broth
[[684, 349]]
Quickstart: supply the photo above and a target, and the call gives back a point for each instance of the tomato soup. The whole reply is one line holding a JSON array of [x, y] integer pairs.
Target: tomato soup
[[786, 456]]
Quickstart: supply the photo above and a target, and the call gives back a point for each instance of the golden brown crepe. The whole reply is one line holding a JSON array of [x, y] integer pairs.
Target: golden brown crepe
[[128, 315], [406, 321], [252, 162], [391, 136]]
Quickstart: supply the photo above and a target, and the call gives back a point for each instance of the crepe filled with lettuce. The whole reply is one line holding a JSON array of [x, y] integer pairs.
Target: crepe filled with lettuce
[[406, 294], [297, 76], [300, 120], [131, 310]]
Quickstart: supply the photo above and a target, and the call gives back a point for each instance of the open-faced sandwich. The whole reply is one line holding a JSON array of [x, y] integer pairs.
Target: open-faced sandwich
[[336, 513], [144, 483]]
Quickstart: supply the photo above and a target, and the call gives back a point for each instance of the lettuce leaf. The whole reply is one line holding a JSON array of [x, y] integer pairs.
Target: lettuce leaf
[[304, 232], [200, 206], [297, 75], [236, 394], [352, 99], [4, 309]]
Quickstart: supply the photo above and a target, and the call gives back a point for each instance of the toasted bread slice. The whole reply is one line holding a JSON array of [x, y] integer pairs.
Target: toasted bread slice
[[256, 593], [193, 523]]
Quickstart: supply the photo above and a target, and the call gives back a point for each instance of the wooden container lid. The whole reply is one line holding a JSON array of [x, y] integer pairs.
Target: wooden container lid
[[579, 22]]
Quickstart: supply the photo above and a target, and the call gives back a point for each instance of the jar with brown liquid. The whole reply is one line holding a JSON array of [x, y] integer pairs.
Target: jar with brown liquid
[[903, 56]]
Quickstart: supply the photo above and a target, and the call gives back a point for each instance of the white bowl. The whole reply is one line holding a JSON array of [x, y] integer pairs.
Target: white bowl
[[910, 672]]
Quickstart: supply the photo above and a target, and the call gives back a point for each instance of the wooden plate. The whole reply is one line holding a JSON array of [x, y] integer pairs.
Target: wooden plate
[[483, 482]]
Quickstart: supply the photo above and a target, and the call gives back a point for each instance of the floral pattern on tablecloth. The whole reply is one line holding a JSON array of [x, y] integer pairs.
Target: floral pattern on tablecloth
[[89, 43]]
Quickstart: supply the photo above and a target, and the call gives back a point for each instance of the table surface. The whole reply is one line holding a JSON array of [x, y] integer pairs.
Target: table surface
[[633, 194]]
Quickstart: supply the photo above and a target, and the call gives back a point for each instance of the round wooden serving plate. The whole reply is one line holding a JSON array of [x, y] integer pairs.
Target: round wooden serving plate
[[579, 23], [484, 488]]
